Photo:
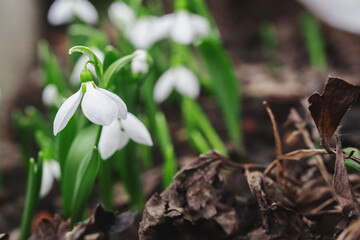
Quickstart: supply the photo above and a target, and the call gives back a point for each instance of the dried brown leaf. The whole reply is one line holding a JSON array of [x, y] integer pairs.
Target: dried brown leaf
[[352, 232], [190, 207], [280, 219], [342, 188], [48, 230], [328, 109]]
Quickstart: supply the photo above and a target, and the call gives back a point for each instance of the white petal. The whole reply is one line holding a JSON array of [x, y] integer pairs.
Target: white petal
[[186, 82], [50, 95], [66, 111], [121, 106], [136, 130], [340, 14], [139, 64], [98, 107], [164, 86], [162, 26], [124, 139], [86, 11], [60, 12], [182, 30], [55, 169], [46, 180], [201, 25], [121, 15], [109, 139], [79, 66], [141, 34]]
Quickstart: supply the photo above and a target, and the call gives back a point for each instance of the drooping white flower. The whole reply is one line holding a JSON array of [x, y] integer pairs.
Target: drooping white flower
[[121, 15], [79, 65], [180, 78], [50, 172], [144, 32], [64, 11], [50, 95], [184, 27], [116, 135], [98, 105], [342, 14], [139, 63]]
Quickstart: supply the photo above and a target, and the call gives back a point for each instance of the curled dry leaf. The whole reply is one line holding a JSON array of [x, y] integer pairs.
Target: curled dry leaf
[[342, 188], [280, 219], [328, 109], [48, 230], [102, 224], [190, 207]]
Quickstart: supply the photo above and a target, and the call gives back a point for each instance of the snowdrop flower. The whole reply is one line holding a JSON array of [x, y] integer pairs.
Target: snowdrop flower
[[116, 135], [185, 27], [79, 65], [340, 14], [139, 63], [180, 78], [51, 171], [121, 15], [50, 95], [98, 105], [145, 32], [64, 11]]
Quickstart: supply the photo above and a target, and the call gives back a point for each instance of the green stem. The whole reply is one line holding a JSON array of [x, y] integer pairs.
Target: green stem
[[106, 184], [32, 197]]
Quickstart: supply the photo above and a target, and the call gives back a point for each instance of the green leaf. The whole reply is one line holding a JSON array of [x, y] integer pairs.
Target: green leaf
[[349, 162], [50, 69], [84, 141], [111, 55], [92, 56], [311, 32], [115, 67], [85, 178], [32, 196], [225, 84]]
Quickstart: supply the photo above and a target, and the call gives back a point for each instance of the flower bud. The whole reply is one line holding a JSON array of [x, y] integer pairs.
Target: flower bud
[[86, 75]]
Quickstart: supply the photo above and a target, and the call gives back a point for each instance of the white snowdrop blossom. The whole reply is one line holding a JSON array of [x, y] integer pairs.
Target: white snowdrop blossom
[[79, 65], [180, 78], [184, 27], [139, 63], [121, 15], [145, 32], [116, 135], [50, 172], [98, 105], [64, 11], [342, 14], [50, 95]]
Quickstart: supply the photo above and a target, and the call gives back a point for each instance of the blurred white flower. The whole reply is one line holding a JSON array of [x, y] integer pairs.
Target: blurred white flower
[[116, 135], [180, 78], [50, 95], [121, 15], [50, 171], [144, 32], [98, 105], [185, 27], [79, 66], [64, 11], [139, 63], [342, 14]]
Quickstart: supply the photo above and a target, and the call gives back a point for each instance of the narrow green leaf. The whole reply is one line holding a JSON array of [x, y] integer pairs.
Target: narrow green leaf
[[85, 179], [92, 56], [349, 162], [115, 67], [199, 141], [226, 86], [111, 55], [32, 196], [311, 32], [106, 184], [84, 141]]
